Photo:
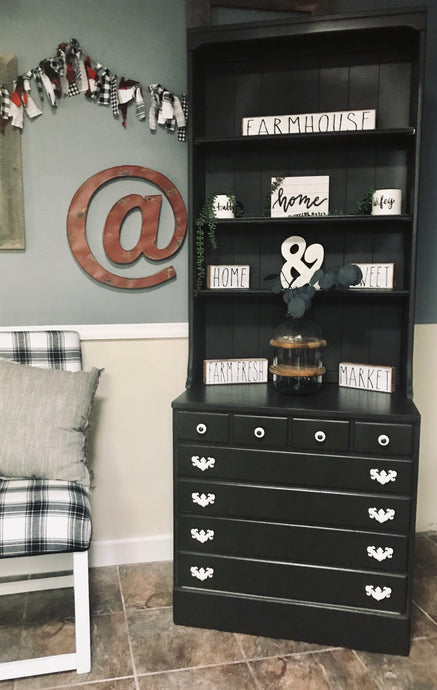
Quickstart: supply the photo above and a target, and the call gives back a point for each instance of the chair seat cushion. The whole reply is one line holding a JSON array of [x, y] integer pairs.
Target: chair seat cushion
[[39, 516]]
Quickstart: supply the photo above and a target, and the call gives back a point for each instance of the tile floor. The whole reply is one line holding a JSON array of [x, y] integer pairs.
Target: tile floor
[[136, 646]]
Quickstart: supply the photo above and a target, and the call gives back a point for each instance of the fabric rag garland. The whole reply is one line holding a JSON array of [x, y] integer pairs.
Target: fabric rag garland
[[70, 72]]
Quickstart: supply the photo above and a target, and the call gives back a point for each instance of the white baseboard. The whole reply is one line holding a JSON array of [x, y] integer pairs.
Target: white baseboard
[[107, 552]]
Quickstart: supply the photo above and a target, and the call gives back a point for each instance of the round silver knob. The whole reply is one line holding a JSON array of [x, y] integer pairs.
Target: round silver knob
[[201, 428], [259, 432], [320, 436], [383, 440]]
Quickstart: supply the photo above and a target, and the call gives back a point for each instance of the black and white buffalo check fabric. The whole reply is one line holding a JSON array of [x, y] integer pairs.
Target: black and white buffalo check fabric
[[45, 349], [39, 516]]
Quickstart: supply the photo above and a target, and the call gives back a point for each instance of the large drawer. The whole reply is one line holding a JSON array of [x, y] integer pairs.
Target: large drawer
[[383, 439], [369, 511], [293, 543], [358, 589], [298, 469]]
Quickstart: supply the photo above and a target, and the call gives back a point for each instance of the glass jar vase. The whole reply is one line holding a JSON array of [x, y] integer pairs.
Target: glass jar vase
[[297, 360]]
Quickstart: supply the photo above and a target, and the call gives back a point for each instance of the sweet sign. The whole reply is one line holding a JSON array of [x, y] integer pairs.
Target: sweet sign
[[300, 196], [379, 276], [367, 377], [309, 123]]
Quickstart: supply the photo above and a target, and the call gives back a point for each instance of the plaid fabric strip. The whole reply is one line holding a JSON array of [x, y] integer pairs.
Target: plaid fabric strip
[[40, 516], [102, 93], [37, 75], [182, 131], [5, 103], [46, 349], [113, 97]]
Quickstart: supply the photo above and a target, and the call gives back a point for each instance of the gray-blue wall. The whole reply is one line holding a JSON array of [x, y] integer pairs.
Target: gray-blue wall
[[145, 40], [139, 39]]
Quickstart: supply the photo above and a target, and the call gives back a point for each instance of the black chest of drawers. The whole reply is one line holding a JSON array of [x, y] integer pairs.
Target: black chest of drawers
[[296, 522]]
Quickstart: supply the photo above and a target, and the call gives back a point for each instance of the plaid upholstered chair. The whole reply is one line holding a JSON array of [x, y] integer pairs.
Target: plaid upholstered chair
[[44, 480]]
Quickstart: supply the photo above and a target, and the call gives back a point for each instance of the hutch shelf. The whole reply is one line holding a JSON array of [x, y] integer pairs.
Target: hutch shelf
[[294, 517]]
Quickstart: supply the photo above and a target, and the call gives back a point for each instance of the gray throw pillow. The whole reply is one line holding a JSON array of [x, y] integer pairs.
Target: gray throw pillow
[[44, 415]]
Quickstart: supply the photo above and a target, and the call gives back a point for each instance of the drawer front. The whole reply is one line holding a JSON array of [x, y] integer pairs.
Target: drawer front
[[293, 543], [203, 426], [323, 435], [264, 432], [378, 591], [383, 439], [298, 469], [369, 511]]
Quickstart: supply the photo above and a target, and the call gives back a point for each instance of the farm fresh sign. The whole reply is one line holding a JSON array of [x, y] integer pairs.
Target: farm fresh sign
[[309, 123]]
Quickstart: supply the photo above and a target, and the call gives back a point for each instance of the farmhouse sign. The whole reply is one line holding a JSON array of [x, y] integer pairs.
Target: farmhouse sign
[[222, 371], [300, 196], [310, 123], [228, 277], [379, 276], [366, 377]]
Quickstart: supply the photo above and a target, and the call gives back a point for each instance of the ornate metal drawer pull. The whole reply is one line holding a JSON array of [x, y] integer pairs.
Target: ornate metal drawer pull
[[202, 499], [382, 476], [383, 440], [381, 515], [201, 573], [202, 463], [378, 593], [259, 432], [201, 428], [202, 535], [379, 554]]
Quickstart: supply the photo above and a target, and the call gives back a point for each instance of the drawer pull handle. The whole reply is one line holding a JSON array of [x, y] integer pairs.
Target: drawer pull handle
[[201, 428], [382, 476], [320, 436], [383, 440], [381, 515], [202, 463], [379, 554], [201, 573], [259, 432], [202, 535], [202, 500], [378, 593]]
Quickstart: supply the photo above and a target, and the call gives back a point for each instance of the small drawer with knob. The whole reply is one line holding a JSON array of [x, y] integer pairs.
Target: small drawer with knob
[[320, 434], [202, 426], [383, 439], [269, 432]]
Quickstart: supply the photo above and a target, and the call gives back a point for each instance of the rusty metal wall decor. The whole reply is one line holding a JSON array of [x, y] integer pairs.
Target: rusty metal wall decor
[[149, 206]]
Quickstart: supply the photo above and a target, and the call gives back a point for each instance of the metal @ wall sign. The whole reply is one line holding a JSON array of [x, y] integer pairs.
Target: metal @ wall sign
[[149, 207]]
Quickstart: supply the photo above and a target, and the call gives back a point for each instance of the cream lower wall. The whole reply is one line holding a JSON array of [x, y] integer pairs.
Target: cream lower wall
[[131, 442], [131, 446]]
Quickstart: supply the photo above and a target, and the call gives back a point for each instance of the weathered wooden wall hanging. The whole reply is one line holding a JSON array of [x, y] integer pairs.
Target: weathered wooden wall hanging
[[149, 206], [11, 188]]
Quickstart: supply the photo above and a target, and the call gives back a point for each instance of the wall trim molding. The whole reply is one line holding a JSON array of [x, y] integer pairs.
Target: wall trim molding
[[114, 331]]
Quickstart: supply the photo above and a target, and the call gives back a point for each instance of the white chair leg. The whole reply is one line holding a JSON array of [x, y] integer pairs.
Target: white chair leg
[[82, 611]]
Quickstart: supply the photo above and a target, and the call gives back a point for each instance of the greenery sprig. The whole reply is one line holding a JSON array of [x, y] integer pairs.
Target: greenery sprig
[[298, 300]]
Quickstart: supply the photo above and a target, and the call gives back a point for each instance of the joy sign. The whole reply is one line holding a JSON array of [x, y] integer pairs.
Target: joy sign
[[301, 261]]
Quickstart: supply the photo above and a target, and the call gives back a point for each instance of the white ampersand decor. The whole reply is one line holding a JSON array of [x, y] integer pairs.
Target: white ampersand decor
[[300, 259]]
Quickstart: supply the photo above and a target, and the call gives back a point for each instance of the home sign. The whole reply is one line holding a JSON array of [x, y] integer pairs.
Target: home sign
[[309, 123], [300, 196], [228, 277]]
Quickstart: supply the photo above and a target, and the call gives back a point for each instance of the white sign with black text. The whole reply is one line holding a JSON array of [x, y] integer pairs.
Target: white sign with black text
[[367, 377], [223, 371], [309, 123], [300, 196], [228, 277], [379, 276]]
